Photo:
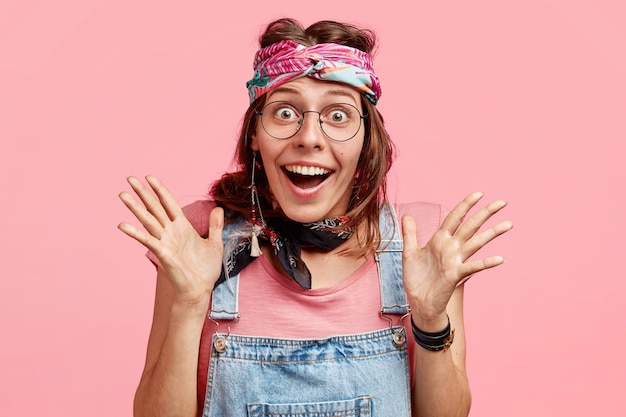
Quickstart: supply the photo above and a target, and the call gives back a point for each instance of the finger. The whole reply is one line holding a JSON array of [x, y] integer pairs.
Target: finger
[[454, 219], [145, 218], [168, 202], [472, 267], [480, 240], [471, 226], [152, 204], [140, 236], [216, 225], [409, 234]]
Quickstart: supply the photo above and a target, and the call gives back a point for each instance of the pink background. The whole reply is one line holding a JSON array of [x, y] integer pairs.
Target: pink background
[[522, 100]]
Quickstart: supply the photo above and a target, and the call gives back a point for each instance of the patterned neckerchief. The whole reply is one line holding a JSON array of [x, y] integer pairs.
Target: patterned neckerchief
[[287, 238]]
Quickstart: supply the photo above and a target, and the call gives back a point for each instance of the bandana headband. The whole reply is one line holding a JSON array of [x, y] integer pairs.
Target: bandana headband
[[285, 61]]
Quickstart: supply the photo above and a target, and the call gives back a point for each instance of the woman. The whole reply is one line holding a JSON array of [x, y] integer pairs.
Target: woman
[[289, 292]]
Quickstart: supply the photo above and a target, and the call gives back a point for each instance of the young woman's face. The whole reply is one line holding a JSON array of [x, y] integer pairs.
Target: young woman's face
[[310, 175]]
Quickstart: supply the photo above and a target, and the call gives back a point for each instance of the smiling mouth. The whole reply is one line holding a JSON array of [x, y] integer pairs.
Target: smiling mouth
[[306, 176]]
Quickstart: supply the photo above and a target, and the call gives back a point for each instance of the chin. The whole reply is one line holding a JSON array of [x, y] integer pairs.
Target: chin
[[303, 216], [308, 213]]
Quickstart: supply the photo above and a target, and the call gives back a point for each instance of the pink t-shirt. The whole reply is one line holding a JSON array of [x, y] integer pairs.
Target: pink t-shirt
[[273, 306]]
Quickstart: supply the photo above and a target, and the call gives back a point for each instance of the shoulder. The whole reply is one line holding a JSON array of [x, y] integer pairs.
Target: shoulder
[[423, 212], [428, 217], [198, 215]]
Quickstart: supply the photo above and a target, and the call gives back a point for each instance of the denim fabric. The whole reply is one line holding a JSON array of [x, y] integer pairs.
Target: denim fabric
[[341, 376], [359, 407], [389, 261]]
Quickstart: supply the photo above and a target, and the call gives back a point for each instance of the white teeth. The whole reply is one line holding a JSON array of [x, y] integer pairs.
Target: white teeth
[[308, 171]]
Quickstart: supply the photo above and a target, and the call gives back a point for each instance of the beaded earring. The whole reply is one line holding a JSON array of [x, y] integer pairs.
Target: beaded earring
[[255, 249]]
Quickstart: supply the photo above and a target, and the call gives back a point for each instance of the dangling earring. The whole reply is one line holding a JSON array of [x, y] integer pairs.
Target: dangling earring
[[357, 187], [255, 249]]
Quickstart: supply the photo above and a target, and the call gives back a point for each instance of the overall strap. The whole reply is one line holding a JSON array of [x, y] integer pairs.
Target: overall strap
[[224, 301], [389, 262]]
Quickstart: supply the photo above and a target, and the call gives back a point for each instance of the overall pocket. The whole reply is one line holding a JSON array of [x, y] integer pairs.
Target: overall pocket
[[357, 407]]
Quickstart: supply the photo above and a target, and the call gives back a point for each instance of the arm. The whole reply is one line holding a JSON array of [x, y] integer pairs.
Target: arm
[[433, 278], [441, 385], [168, 384], [189, 267]]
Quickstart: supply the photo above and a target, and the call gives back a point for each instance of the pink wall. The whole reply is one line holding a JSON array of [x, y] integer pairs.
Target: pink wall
[[524, 102]]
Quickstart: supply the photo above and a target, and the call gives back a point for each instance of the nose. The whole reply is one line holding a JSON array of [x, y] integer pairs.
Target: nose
[[310, 133]]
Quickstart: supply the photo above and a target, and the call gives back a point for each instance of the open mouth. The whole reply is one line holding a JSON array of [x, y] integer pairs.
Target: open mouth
[[306, 176]]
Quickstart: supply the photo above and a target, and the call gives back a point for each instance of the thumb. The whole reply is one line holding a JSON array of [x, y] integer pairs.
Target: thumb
[[409, 233], [216, 225]]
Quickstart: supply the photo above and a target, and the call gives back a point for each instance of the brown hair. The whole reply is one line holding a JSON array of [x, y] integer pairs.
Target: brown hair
[[370, 189]]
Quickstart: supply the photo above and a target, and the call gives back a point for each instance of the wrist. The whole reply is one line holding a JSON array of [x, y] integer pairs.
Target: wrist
[[434, 340], [191, 308], [430, 322]]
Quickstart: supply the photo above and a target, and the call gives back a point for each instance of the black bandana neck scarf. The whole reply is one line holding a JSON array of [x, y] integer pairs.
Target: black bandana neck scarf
[[287, 238]]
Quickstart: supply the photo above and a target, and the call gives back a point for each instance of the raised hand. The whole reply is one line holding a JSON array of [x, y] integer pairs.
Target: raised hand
[[191, 262], [433, 272]]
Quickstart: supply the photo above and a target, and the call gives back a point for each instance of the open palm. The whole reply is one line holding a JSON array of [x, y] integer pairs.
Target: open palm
[[191, 262], [433, 272]]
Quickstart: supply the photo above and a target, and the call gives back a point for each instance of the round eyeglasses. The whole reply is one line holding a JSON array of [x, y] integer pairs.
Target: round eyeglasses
[[340, 122]]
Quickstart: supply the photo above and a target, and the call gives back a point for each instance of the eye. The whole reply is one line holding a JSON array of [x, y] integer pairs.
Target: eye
[[284, 112], [339, 114]]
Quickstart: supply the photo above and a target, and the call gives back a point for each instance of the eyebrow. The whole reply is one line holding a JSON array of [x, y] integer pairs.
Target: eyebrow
[[339, 93], [335, 92]]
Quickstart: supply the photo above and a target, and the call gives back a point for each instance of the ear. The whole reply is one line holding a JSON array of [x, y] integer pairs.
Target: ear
[[254, 143]]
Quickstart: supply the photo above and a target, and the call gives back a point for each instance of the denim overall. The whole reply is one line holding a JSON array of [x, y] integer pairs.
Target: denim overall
[[359, 375]]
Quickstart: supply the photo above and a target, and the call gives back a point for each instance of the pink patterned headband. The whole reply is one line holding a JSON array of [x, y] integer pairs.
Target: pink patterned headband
[[284, 61]]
